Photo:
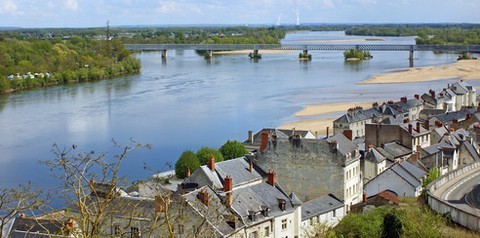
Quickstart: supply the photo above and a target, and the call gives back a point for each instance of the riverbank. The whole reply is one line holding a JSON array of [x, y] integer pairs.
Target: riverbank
[[463, 69]]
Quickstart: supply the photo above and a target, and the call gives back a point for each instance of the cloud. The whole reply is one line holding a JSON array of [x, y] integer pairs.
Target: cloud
[[9, 7], [71, 5], [176, 7]]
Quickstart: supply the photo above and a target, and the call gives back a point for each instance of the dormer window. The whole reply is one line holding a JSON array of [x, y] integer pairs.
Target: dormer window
[[282, 204]]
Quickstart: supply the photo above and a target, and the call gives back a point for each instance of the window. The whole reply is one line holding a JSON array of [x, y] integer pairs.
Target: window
[[253, 235], [334, 213], [117, 231], [180, 229], [134, 232], [284, 224], [267, 231]]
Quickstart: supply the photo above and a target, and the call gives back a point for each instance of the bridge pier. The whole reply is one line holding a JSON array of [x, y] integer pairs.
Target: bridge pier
[[164, 54], [410, 59], [255, 55], [305, 55], [209, 54]]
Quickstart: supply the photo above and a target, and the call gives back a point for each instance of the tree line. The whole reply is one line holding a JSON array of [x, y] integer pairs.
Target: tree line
[[36, 63], [426, 34]]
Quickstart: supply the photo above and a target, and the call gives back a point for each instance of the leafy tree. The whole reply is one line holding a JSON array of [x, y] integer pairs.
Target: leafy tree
[[367, 225], [205, 153], [232, 150], [433, 174], [187, 160], [392, 226]]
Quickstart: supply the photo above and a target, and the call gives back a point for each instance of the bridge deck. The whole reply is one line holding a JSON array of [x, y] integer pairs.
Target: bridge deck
[[369, 47]]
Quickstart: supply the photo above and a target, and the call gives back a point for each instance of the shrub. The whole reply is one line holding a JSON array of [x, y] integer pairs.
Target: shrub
[[187, 160], [205, 153]]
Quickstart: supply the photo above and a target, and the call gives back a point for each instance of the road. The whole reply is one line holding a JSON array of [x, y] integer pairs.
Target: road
[[463, 192]]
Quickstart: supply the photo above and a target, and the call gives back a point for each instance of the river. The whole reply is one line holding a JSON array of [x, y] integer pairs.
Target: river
[[188, 102]]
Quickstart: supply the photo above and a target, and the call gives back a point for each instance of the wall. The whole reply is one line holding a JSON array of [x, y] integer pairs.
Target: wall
[[389, 180], [465, 218], [376, 134], [310, 170]]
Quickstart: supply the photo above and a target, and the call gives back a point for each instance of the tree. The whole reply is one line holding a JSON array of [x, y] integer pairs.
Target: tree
[[92, 184], [187, 161], [232, 150], [392, 226], [205, 153], [14, 201]]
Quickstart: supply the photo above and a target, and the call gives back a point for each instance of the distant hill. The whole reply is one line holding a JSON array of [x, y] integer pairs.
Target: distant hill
[[9, 28]]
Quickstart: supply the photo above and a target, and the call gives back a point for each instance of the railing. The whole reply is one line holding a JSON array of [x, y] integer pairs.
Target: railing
[[338, 47]]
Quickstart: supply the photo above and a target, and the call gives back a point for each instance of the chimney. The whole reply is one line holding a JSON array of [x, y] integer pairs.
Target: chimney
[[418, 127], [272, 177], [403, 99], [263, 146], [229, 199], [469, 116], [227, 184], [419, 148], [204, 197], [161, 202], [417, 96], [250, 166], [406, 120], [370, 147], [414, 157], [427, 124], [250, 136], [478, 108], [211, 163], [327, 131], [348, 134], [364, 197], [455, 120], [22, 215], [70, 224], [410, 129], [188, 171], [432, 93]]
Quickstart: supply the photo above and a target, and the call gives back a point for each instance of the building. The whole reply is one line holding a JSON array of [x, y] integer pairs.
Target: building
[[410, 135], [313, 168], [403, 178], [374, 163], [322, 211]]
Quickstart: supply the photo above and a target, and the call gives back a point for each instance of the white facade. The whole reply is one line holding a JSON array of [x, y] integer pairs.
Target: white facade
[[373, 169], [329, 219], [353, 185]]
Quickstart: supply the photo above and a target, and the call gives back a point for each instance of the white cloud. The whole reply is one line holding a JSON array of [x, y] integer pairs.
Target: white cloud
[[71, 5], [9, 7]]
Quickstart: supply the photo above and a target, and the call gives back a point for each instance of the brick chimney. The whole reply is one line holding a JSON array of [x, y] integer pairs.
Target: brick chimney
[[432, 93], [263, 146], [417, 96], [427, 124], [188, 172], [410, 129], [250, 166], [161, 202], [348, 134], [414, 157], [419, 148], [327, 131], [364, 197], [272, 177], [204, 197], [403, 99], [418, 127], [227, 184], [469, 116], [211, 163], [250, 136]]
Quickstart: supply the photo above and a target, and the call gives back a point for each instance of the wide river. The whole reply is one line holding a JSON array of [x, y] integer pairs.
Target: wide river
[[187, 102]]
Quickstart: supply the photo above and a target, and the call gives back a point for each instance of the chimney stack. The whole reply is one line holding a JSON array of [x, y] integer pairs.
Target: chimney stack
[[328, 131], [188, 171], [348, 134], [419, 148], [227, 184], [370, 147], [204, 197], [418, 127], [211, 163], [410, 129], [263, 146], [250, 166], [364, 197], [160, 203], [272, 177], [250, 136], [427, 124], [403, 99], [417, 96]]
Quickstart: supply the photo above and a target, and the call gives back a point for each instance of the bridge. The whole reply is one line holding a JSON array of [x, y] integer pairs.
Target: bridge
[[209, 48], [456, 194]]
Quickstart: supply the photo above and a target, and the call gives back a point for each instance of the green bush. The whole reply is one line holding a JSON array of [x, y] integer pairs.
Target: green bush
[[205, 153], [188, 159], [232, 150]]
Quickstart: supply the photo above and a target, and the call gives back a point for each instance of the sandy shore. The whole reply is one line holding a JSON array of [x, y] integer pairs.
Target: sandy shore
[[312, 110], [318, 126], [230, 52], [464, 69]]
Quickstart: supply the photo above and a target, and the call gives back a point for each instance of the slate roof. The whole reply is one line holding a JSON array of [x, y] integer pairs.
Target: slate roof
[[345, 145], [450, 116], [472, 151], [320, 205], [374, 156], [390, 120], [393, 150], [35, 225], [215, 213], [432, 111]]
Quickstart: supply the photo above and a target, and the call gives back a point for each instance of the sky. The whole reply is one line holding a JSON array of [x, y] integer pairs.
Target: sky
[[96, 13]]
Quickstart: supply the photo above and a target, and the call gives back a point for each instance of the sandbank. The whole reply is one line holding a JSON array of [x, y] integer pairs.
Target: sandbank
[[231, 52], [318, 126], [312, 110], [463, 69]]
